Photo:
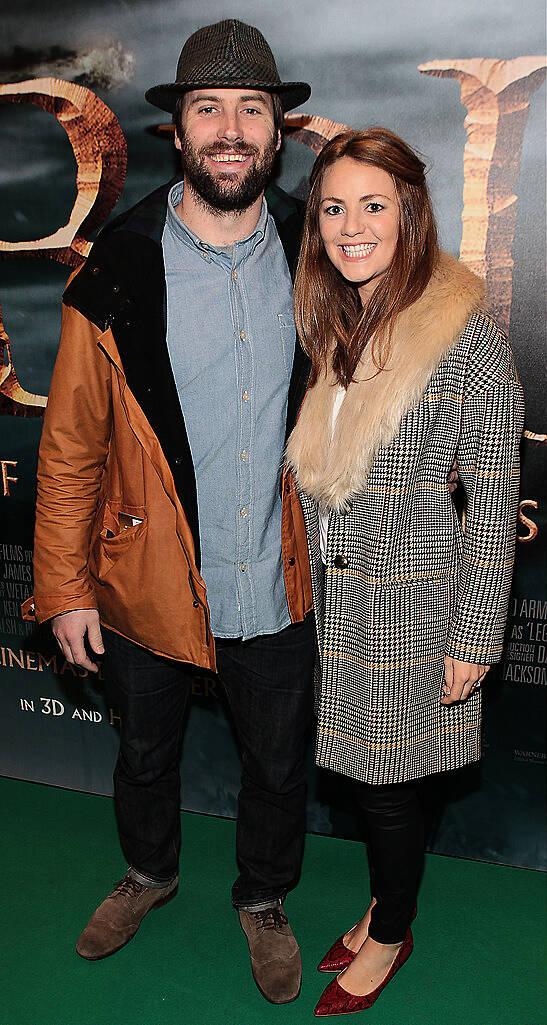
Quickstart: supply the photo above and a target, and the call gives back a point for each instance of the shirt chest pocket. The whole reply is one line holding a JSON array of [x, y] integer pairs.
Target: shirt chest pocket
[[287, 334]]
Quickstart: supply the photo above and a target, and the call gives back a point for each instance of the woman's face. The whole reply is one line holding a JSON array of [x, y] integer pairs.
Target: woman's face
[[359, 221]]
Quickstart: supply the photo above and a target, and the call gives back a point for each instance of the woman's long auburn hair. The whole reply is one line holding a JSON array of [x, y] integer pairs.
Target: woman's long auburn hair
[[328, 311]]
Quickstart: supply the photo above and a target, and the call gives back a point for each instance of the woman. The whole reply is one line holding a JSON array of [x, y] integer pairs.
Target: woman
[[407, 375]]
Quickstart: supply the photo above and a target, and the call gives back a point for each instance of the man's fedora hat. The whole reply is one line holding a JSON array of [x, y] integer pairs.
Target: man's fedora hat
[[227, 55]]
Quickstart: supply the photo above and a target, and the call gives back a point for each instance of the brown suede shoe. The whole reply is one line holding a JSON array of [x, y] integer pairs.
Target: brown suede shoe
[[117, 919], [275, 954]]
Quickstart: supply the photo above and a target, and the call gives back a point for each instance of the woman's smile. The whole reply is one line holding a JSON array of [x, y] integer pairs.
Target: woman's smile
[[357, 250]]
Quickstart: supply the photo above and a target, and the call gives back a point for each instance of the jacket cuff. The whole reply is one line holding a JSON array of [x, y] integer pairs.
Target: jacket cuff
[[48, 606], [475, 652]]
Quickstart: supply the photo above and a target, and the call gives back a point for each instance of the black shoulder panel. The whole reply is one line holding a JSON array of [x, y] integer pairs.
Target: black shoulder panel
[[288, 214]]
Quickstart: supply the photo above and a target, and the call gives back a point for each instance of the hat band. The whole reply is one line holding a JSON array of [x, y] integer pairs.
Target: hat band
[[214, 71]]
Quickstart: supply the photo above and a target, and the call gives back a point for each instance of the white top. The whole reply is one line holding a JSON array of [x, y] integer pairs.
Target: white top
[[324, 516]]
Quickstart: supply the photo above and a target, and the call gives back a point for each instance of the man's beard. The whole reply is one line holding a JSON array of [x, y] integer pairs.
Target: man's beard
[[220, 192]]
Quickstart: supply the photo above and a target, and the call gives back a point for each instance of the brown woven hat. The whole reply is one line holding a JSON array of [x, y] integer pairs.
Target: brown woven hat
[[227, 55]]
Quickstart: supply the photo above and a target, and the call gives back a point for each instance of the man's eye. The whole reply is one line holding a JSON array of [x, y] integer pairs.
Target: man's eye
[[251, 110], [206, 110]]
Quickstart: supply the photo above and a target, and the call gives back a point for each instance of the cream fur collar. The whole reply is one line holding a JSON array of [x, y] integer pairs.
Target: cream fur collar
[[371, 412]]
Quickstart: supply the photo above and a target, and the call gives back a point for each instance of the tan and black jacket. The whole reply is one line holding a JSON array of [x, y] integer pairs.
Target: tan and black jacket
[[117, 520]]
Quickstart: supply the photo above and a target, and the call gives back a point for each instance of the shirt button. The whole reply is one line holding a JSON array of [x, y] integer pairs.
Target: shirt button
[[242, 335], [243, 567], [244, 511], [234, 275], [245, 396], [244, 454]]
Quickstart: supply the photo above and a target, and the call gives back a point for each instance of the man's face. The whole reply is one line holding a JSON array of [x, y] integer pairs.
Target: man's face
[[228, 145]]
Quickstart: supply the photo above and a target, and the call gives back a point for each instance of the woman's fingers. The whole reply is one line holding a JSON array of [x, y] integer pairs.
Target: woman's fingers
[[460, 679], [448, 680], [468, 689]]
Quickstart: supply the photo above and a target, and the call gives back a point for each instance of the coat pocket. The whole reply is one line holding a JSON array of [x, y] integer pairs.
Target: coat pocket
[[117, 529], [418, 559]]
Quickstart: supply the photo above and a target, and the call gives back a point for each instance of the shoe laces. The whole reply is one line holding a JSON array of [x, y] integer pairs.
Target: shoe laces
[[270, 918], [128, 887]]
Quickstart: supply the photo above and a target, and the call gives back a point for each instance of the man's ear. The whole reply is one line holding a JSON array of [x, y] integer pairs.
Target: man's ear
[[177, 140], [278, 144]]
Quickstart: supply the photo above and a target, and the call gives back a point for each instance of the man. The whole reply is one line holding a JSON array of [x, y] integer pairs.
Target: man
[[162, 524]]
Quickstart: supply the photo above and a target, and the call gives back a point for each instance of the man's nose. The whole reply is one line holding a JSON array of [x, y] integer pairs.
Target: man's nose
[[230, 128]]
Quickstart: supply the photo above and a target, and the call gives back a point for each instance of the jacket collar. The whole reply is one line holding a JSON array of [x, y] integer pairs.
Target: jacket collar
[[148, 217], [332, 470]]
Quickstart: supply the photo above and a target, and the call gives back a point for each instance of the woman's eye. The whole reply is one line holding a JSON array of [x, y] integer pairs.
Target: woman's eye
[[333, 210], [375, 208]]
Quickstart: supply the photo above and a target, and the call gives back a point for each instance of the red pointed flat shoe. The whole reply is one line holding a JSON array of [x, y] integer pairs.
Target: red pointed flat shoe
[[339, 956], [336, 1000]]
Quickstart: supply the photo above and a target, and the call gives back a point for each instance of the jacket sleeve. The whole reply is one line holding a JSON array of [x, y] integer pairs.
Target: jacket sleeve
[[488, 468], [71, 460]]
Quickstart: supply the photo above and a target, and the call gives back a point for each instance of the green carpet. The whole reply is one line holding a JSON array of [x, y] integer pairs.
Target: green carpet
[[479, 956]]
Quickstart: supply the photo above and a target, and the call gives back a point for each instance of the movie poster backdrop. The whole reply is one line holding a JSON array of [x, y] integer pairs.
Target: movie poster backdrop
[[461, 81]]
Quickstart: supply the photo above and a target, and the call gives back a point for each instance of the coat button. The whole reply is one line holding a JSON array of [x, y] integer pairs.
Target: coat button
[[115, 289], [340, 562], [95, 271], [292, 561], [178, 460]]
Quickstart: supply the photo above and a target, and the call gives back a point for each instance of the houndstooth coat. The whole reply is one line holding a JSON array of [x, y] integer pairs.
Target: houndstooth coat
[[403, 585]]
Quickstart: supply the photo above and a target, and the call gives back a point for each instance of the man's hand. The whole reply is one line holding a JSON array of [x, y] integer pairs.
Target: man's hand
[[70, 629], [453, 479], [460, 679]]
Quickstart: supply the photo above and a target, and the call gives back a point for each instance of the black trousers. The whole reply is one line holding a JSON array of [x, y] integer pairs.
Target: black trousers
[[269, 685], [394, 822]]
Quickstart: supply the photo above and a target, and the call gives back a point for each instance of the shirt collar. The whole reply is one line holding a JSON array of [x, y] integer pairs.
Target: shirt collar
[[184, 234]]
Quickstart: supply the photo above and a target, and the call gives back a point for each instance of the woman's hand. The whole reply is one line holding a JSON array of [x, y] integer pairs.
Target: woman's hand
[[460, 679]]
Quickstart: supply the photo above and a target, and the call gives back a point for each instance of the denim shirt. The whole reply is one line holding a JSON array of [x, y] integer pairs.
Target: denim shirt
[[231, 339]]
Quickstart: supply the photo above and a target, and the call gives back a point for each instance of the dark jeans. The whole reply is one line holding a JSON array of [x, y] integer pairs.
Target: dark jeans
[[394, 822], [269, 685]]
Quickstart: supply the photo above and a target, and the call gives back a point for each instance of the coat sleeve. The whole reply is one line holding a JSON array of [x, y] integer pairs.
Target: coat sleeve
[[488, 467], [71, 460]]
